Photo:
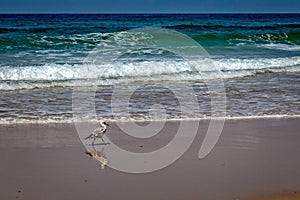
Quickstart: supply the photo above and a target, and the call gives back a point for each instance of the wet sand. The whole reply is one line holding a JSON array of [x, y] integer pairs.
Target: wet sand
[[255, 158]]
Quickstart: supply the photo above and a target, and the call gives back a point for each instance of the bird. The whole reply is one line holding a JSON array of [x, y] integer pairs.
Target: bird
[[98, 132]]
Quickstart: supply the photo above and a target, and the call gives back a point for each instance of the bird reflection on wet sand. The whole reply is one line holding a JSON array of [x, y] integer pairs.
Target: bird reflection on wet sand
[[98, 155]]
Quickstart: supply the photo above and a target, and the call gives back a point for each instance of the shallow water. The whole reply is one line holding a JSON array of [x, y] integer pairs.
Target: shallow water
[[262, 95]]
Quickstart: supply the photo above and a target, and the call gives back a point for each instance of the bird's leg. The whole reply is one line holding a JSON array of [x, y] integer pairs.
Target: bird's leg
[[102, 139], [94, 141]]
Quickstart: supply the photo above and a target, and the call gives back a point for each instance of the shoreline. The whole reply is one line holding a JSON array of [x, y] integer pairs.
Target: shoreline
[[253, 158], [72, 120]]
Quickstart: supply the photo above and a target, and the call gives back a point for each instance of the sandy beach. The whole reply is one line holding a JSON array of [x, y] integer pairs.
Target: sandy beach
[[254, 159]]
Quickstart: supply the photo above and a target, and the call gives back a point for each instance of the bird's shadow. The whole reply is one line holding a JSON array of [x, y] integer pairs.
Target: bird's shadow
[[100, 144]]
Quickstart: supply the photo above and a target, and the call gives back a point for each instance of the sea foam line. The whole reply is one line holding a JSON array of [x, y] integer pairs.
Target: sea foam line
[[72, 120]]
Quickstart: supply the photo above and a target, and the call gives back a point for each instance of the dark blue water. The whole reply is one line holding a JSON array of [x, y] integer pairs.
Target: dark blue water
[[42, 58]]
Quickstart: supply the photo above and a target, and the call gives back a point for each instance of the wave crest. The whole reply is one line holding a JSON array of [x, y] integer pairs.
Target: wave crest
[[55, 75]]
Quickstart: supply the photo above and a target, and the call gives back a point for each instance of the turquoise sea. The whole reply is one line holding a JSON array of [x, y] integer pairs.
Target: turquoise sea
[[42, 57]]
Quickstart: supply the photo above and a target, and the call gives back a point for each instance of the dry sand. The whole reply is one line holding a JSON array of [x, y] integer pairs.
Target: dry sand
[[287, 196], [253, 158]]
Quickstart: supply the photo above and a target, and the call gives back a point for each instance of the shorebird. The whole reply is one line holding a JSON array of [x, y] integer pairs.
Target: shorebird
[[98, 132]]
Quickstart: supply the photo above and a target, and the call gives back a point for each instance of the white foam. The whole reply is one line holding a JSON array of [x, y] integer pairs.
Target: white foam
[[238, 64], [16, 121], [285, 47], [66, 75]]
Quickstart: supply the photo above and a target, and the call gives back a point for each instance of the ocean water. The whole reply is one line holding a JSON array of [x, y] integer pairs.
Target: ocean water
[[43, 59]]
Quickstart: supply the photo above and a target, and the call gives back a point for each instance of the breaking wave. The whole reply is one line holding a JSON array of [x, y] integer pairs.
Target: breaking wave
[[66, 75]]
